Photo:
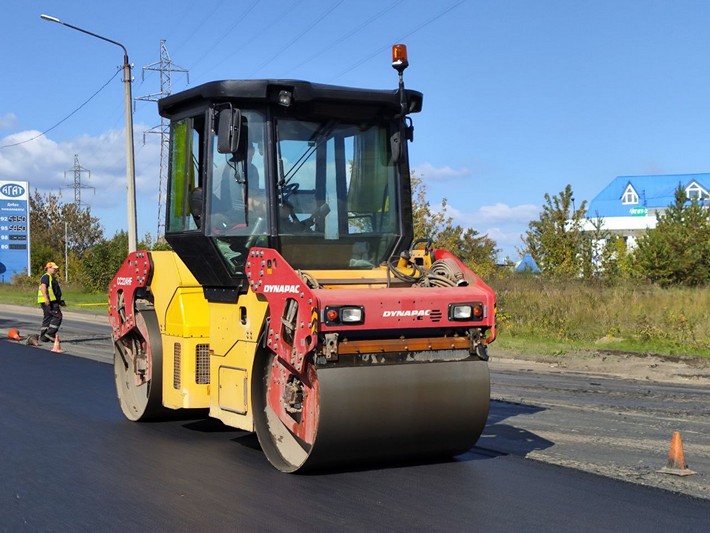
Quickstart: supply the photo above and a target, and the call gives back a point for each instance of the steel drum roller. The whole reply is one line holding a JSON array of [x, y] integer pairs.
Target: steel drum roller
[[374, 412]]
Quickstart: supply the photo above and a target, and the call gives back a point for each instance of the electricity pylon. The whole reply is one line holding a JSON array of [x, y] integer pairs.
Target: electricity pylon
[[77, 171], [166, 67]]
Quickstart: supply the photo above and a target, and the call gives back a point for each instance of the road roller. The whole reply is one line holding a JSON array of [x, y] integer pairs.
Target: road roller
[[295, 301]]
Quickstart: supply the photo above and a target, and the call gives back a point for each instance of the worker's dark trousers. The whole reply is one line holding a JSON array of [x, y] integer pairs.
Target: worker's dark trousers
[[51, 321]]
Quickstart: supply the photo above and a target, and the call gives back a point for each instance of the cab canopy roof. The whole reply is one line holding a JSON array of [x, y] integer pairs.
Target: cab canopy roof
[[305, 96]]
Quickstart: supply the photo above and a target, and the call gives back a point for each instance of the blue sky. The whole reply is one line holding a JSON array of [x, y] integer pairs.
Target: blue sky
[[521, 97]]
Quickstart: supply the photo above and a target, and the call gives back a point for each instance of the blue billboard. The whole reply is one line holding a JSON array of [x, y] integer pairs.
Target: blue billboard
[[14, 229]]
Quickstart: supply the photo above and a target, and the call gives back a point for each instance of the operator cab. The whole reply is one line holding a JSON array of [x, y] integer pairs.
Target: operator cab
[[317, 172]]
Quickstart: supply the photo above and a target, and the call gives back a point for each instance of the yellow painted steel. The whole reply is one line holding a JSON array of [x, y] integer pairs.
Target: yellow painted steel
[[375, 278], [209, 348], [352, 279], [179, 303], [235, 333], [183, 317]]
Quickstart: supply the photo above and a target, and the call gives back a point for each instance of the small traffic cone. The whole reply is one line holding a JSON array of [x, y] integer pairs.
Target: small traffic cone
[[13, 334], [676, 459], [56, 348]]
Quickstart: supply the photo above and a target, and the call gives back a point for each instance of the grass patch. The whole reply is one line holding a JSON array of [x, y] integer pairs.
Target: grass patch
[[76, 298], [545, 317]]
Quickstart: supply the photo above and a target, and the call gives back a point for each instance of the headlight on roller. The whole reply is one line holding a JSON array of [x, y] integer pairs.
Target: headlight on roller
[[461, 312], [467, 312], [343, 315], [351, 315]]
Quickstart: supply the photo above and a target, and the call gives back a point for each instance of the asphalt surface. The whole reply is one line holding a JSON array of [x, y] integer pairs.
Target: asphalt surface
[[71, 462], [619, 428], [85, 335]]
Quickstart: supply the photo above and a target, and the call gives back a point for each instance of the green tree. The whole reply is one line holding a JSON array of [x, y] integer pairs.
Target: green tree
[[101, 262], [677, 250], [473, 249], [159, 244], [605, 255], [47, 218], [556, 240]]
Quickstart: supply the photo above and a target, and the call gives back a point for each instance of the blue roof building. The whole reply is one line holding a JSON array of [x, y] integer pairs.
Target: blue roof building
[[527, 264], [628, 205]]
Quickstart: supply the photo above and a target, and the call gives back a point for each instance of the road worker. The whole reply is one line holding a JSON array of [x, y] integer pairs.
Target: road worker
[[49, 296]]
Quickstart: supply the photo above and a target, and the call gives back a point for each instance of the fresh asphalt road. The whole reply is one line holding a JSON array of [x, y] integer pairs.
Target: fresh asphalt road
[[71, 462], [82, 334]]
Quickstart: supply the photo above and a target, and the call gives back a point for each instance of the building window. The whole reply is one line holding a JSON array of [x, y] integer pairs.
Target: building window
[[695, 192], [629, 196]]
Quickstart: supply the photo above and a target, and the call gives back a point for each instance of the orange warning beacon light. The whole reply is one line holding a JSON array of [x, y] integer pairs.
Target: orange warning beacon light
[[399, 57]]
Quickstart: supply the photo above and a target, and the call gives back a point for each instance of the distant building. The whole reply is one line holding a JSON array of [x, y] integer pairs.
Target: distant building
[[628, 205], [527, 264]]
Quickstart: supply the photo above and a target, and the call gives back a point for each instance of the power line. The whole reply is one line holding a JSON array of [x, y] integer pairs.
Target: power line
[[193, 30], [400, 39], [309, 28], [348, 35], [229, 30], [259, 33], [65, 118]]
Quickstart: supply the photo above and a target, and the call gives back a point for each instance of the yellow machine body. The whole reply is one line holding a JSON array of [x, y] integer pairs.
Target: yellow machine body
[[296, 302], [208, 347]]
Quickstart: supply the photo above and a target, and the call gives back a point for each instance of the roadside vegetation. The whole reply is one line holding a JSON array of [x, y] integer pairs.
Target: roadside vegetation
[[591, 294], [557, 317], [77, 298]]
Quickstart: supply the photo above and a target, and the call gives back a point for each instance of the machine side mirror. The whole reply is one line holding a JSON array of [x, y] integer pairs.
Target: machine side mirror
[[230, 121], [196, 199], [396, 146]]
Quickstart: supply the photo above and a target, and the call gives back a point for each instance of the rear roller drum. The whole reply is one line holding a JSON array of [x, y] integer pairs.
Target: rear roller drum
[[138, 367]]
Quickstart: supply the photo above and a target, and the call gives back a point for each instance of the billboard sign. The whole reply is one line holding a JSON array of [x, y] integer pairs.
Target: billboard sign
[[14, 229]]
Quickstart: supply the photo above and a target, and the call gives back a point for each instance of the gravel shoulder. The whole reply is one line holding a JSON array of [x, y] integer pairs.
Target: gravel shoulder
[[611, 414], [635, 366]]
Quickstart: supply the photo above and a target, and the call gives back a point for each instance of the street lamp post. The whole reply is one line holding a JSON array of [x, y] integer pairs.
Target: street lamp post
[[130, 160]]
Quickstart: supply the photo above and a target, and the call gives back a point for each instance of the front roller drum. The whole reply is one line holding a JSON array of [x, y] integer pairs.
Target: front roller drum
[[137, 356], [370, 413]]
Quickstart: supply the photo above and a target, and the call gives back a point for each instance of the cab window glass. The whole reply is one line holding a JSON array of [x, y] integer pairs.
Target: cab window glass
[[238, 193], [185, 175], [337, 194], [237, 204]]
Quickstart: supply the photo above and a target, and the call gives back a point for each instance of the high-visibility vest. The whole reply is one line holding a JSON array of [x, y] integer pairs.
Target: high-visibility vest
[[50, 291]]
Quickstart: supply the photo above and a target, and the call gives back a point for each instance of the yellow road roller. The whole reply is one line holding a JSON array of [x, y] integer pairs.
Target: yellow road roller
[[296, 302]]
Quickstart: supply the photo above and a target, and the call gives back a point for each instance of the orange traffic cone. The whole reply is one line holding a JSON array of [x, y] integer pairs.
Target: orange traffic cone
[[13, 334], [56, 348], [676, 459]]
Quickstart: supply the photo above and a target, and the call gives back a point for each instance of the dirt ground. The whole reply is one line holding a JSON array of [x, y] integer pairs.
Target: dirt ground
[[644, 367]]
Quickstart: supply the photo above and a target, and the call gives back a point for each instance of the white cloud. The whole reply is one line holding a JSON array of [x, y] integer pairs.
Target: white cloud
[[429, 172], [496, 214], [48, 166], [8, 121], [503, 223]]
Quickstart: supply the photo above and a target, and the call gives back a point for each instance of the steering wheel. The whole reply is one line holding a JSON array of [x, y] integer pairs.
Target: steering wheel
[[288, 189]]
